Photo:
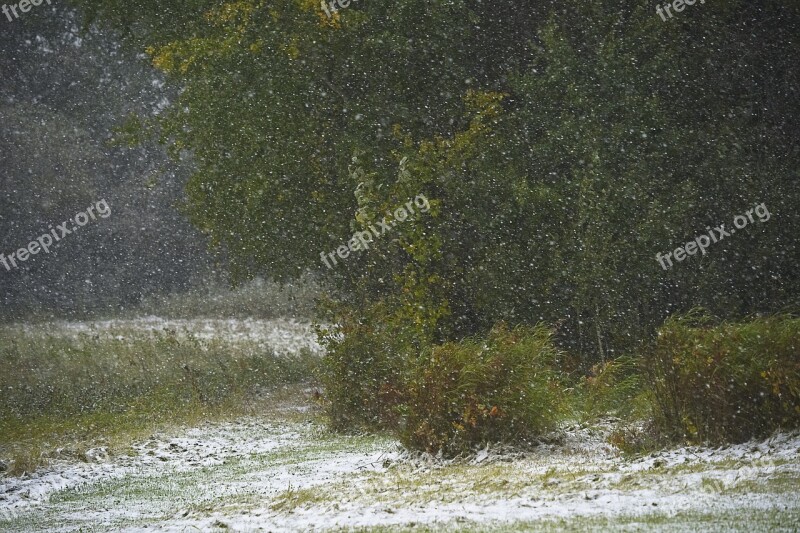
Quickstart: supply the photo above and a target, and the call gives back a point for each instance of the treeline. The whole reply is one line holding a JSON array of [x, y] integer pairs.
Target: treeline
[[561, 146], [64, 91]]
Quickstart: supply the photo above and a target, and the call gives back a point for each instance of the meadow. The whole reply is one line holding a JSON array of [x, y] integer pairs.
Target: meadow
[[66, 388]]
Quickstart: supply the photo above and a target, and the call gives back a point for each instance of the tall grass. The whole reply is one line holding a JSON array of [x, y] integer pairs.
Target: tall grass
[[51, 385], [255, 299], [615, 387]]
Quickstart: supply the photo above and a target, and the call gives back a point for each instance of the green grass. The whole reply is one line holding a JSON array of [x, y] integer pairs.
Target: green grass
[[241, 486], [748, 520], [144, 500], [73, 393]]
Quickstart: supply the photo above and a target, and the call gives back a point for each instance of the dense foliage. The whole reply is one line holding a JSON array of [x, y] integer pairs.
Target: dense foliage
[[561, 145], [746, 376], [565, 145], [501, 389]]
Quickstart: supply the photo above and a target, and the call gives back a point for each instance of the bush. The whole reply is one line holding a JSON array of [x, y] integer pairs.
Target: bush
[[468, 394], [726, 383], [364, 370]]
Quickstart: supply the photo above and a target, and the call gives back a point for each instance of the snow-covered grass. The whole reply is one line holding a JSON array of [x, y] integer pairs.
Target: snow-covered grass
[[283, 336], [265, 460], [285, 472]]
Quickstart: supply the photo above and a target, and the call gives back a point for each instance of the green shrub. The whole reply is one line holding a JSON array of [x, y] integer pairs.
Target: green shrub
[[726, 383], [364, 371], [467, 394]]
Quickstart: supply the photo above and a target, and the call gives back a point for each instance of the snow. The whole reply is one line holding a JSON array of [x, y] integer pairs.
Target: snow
[[198, 447], [284, 336], [237, 475]]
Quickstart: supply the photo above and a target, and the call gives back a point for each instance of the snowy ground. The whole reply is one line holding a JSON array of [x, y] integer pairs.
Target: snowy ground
[[282, 335], [284, 474]]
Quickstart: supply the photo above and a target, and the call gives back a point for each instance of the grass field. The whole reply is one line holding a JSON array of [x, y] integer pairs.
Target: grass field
[[282, 471], [66, 388]]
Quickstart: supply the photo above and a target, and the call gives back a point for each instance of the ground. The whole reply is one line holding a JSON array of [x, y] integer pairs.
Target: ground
[[284, 472], [281, 470]]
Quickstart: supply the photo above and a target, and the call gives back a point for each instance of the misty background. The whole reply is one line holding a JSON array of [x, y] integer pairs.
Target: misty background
[[64, 91]]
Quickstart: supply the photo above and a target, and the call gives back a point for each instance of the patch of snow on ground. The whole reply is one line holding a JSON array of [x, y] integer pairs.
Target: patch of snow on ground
[[199, 447], [241, 475]]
